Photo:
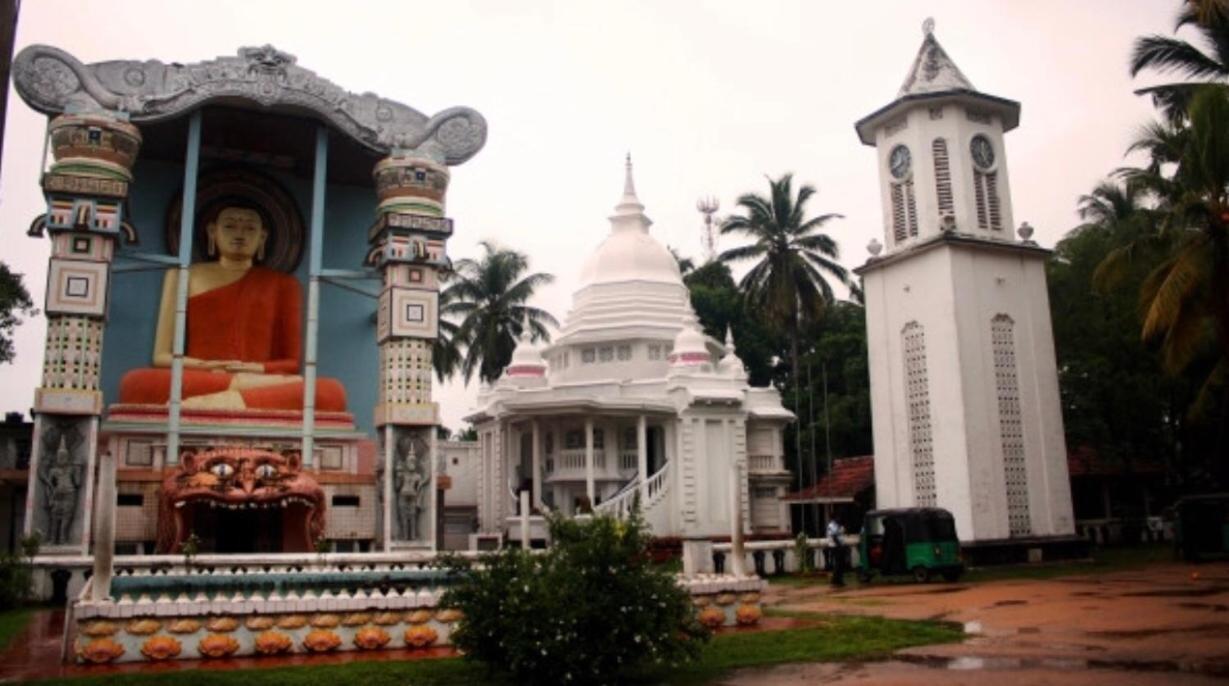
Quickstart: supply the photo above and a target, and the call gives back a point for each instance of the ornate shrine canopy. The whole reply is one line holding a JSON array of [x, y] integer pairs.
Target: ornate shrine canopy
[[53, 82]]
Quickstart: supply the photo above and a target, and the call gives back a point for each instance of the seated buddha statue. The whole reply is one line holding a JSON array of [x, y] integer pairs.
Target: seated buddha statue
[[243, 330]]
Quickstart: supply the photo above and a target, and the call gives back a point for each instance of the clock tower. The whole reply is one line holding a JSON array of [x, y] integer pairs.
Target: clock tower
[[964, 387]]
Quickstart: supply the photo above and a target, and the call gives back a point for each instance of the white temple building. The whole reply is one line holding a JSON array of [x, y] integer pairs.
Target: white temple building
[[632, 401], [964, 387]]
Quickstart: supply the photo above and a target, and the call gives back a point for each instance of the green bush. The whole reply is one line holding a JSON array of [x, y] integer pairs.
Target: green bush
[[593, 609], [15, 581]]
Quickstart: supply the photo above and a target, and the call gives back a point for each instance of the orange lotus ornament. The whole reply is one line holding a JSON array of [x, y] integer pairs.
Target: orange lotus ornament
[[321, 641], [371, 638], [712, 617], [420, 636], [273, 643], [218, 645], [161, 648], [748, 615], [100, 651]]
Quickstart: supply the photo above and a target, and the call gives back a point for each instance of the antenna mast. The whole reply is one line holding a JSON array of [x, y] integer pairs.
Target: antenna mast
[[708, 207]]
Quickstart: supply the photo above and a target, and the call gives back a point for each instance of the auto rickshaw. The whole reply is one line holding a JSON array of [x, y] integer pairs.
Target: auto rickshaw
[[1201, 526], [916, 540]]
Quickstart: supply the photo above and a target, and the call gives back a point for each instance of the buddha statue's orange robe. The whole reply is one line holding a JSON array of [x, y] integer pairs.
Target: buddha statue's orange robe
[[255, 319]]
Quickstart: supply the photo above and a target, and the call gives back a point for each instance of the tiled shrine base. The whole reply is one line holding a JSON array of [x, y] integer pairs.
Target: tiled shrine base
[[115, 633], [35, 653]]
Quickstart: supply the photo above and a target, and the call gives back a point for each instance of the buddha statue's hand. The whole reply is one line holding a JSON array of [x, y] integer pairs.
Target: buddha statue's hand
[[237, 367]]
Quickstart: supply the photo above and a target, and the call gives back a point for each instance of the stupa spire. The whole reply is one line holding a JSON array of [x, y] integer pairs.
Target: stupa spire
[[629, 212]]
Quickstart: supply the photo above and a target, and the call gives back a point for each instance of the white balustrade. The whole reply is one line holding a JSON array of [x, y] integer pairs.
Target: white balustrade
[[764, 463]]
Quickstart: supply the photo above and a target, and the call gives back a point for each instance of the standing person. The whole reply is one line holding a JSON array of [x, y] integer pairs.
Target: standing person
[[836, 558]]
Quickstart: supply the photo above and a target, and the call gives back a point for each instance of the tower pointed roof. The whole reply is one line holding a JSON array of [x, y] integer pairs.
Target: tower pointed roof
[[933, 71], [934, 77]]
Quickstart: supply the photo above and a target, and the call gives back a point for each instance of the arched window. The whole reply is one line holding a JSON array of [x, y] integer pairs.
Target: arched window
[[1011, 428], [917, 403]]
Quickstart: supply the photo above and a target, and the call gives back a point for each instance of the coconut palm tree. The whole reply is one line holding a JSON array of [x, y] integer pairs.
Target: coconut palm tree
[[1166, 54], [1184, 301], [788, 284], [487, 299]]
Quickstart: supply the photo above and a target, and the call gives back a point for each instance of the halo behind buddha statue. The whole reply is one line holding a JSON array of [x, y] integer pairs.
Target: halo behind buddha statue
[[228, 187]]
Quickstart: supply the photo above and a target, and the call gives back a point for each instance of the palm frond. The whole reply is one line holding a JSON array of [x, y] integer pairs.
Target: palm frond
[[1166, 54]]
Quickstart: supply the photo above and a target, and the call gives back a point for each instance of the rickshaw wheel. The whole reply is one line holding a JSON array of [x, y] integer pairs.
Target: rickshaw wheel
[[921, 574]]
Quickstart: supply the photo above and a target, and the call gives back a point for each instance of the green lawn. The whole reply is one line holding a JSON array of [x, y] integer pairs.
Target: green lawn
[[833, 639], [1103, 560], [11, 623]]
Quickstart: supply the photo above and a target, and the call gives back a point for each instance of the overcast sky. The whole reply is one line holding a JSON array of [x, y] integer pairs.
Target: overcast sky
[[708, 96]]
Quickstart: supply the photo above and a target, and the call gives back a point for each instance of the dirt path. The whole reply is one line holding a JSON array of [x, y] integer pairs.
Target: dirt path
[[1154, 625]]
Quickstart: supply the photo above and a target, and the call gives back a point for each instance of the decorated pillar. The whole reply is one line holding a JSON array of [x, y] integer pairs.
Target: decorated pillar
[[85, 190], [408, 246]]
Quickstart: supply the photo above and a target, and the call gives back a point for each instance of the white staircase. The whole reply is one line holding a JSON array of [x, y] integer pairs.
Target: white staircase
[[621, 505]]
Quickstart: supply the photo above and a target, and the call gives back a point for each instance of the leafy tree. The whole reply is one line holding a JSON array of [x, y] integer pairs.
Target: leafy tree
[[842, 415], [719, 304], [592, 609], [446, 353], [15, 303], [488, 295], [1115, 396], [1165, 54], [788, 283], [1184, 300]]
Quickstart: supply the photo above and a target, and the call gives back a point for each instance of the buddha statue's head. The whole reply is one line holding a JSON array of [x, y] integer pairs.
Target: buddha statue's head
[[237, 233]]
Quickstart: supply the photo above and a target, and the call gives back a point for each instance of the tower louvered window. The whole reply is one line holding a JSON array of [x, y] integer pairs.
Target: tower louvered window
[[904, 211], [917, 403], [989, 209], [943, 176], [1011, 427]]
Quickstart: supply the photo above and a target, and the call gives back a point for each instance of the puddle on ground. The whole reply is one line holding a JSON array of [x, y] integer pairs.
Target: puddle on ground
[[1178, 592], [970, 663], [1215, 607], [1213, 629]]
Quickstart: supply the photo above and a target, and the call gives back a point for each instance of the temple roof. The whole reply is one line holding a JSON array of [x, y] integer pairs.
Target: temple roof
[[54, 82], [849, 477], [935, 76], [933, 71]]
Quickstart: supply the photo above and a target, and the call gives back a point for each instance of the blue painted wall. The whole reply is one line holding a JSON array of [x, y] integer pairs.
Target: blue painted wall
[[347, 347]]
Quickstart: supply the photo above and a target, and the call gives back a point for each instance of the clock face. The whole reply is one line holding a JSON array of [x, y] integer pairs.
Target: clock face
[[983, 152], [899, 161]]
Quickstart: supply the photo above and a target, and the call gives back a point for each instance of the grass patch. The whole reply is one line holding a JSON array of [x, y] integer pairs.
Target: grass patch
[[11, 624], [1103, 560], [836, 639]]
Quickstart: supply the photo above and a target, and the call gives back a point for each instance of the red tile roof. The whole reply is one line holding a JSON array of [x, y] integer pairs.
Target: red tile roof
[[1086, 461], [849, 477]]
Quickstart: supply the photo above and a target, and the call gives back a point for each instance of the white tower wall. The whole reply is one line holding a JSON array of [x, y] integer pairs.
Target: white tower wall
[[964, 385]]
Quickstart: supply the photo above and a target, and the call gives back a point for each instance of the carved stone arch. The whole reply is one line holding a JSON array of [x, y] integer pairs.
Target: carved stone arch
[[53, 82]]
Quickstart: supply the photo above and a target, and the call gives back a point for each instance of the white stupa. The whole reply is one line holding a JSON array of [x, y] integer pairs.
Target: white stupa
[[632, 401]]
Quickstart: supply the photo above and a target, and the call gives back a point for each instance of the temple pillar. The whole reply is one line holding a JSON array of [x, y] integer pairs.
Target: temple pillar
[[642, 458], [408, 247], [85, 188], [537, 464], [589, 486], [104, 529]]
